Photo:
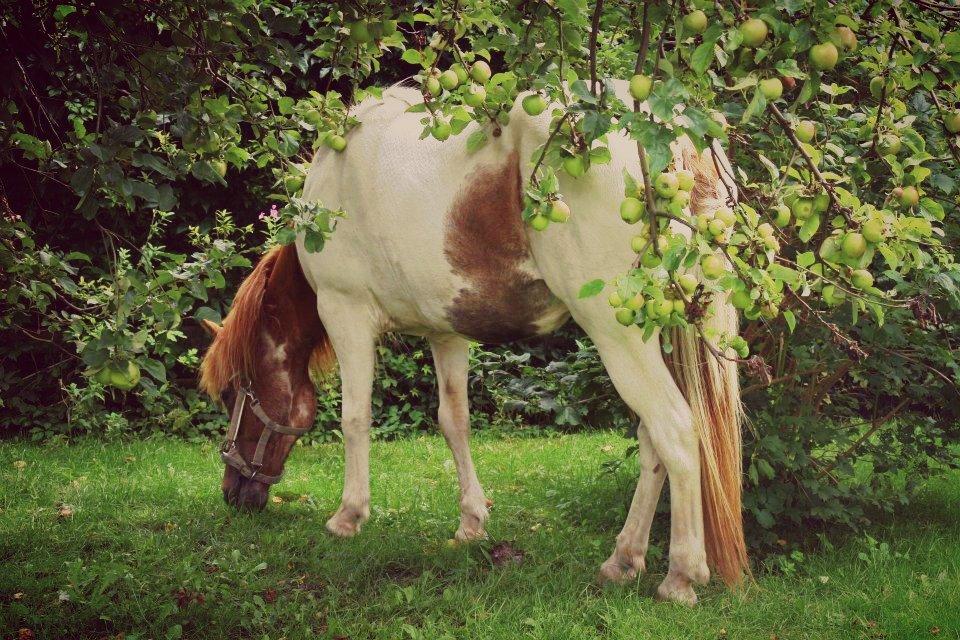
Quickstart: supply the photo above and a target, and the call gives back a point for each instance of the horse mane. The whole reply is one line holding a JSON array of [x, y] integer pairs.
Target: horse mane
[[232, 354]]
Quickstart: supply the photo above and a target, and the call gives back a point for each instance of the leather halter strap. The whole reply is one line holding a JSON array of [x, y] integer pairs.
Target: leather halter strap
[[229, 452]]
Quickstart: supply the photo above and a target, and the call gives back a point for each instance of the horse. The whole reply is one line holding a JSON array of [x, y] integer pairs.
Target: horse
[[433, 244]]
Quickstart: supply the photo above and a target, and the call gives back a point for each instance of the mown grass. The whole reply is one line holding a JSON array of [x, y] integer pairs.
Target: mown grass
[[150, 551]]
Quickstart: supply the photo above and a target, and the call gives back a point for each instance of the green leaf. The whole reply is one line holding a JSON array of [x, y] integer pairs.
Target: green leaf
[[412, 56], [591, 289], [154, 368], [809, 227], [790, 319], [313, 241], [806, 258], [702, 57], [62, 11], [476, 140]]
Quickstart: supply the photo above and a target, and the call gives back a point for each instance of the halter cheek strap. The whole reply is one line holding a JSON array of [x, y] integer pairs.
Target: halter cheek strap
[[230, 453]]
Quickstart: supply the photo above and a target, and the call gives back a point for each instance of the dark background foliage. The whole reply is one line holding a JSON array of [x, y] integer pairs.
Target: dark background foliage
[[141, 143]]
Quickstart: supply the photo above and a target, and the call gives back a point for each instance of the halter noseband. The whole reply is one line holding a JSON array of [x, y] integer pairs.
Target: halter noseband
[[231, 455]]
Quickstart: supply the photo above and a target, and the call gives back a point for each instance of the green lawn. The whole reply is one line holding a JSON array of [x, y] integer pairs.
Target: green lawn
[[151, 551]]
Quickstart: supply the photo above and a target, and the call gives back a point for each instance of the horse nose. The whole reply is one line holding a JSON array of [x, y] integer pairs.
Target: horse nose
[[246, 495]]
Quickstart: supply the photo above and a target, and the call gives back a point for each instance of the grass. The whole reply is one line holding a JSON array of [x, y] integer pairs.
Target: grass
[[150, 551]]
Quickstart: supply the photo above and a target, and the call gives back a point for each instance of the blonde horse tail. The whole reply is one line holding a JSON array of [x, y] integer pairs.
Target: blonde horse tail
[[712, 389]]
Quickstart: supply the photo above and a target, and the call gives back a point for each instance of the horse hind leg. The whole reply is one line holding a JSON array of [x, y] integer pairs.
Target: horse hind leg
[[450, 356], [643, 381], [628, 559]]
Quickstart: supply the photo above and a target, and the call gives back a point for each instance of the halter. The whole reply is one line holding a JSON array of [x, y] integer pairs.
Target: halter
[[231, 455]]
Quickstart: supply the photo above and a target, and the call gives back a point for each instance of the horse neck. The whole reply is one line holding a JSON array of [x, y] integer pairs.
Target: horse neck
[[288, 335]]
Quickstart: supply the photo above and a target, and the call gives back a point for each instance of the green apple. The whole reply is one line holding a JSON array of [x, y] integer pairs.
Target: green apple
[[631, 210], [559, 211], [441, 130], [952, 121], [640, 86], [821, 202], [753, 32], [688, 282], [832, 295], [220, 166], [292, 183], [765, 230], [449, 80], [713, 266], [125, 376], [824, 56], [480, 71], [638, 243], [635, 303], [575, 166], [726, 214], [462, 75], [805, 130], [475, 95], [337, 142], [534, 104], [844, 37], [679, 306], [650, 260], [717, 227], [651, 309], [703, 222], [862, 279], [679, 201], [432, 85], [782, 217], [695, 22], [539, 222], [685, 180], [830, 249], [614, 300], [664, 307], [908, 196], [877, 84], [359, 32], [853, 245], [666, 184], [802, 208], [889, 144], [741, 299], [771, 88], [873, 231]]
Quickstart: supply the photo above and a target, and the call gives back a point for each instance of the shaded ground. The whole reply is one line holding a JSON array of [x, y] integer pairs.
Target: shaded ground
[[99, 540]]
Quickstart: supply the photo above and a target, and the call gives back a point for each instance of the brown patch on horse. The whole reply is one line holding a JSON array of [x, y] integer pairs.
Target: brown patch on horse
[[486, 244]]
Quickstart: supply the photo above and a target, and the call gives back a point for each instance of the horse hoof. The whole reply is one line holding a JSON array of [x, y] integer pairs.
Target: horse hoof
[[620, 570], [677, 589], [343, 526], [465, 534]]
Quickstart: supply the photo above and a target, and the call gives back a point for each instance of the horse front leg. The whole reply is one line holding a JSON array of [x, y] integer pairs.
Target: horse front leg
[[451, 358], [355, 347]]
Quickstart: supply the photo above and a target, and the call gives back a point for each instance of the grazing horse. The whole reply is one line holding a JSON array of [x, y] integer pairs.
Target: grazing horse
[[433, 244]]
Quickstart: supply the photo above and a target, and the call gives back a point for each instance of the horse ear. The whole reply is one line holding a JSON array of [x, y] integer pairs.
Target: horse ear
[[210, 327]]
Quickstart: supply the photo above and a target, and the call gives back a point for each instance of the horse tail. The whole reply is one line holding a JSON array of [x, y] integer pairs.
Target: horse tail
[[276, 280], [712, 389]]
